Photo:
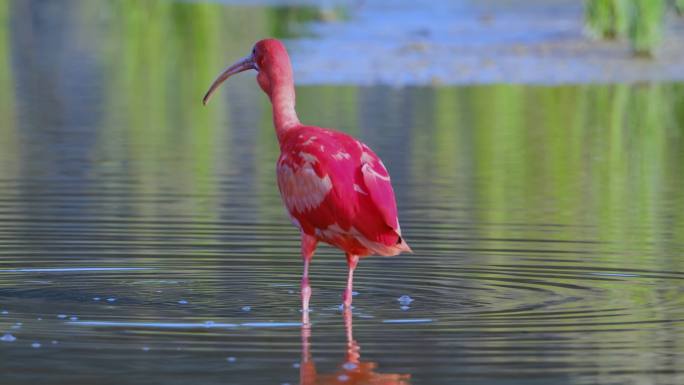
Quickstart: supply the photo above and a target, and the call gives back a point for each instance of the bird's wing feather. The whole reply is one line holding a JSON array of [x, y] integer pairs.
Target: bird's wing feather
[[377, 181], [301, 187]]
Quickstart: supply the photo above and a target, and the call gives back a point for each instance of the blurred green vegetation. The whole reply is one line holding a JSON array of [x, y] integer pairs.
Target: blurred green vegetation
[[641, 21]]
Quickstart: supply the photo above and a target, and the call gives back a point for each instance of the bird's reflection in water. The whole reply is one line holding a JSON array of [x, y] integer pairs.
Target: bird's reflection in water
[[351, 371]]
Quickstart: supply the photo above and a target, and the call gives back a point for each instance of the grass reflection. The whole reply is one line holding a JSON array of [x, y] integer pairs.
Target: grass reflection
[[8, 144]]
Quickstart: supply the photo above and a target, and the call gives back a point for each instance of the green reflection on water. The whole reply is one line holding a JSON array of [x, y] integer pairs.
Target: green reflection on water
[[8, 144]]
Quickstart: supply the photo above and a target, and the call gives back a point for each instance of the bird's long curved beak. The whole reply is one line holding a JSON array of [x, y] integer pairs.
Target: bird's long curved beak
[[244, 64]]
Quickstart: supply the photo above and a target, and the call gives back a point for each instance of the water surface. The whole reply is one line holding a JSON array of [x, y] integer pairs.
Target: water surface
[[142, 238]]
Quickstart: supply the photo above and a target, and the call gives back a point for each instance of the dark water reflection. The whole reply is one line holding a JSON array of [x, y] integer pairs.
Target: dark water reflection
[[142, 238]]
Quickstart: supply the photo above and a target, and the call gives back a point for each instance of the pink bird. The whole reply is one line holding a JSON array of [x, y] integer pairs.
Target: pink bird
[[335, 188]]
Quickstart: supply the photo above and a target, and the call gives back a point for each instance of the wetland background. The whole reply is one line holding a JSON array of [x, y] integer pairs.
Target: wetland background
[[142, 238]]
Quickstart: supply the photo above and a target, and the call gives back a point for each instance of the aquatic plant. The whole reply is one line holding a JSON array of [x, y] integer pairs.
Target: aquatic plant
[[645, 26], [607, 18], [639, 20], [679, 6]]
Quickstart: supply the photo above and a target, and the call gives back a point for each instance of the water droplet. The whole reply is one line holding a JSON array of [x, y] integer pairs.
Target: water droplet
[[61, 316], [35, 345], [96, 298], [231, 359], [349, 366], [209, 323], [404, 307], [246, 308], [8, 338], [39, 318], [112, 299], [296, 365], [4, 312], [355, 293], [290, 292], [405, 300], [73, 318], [342, 377], [146, 348], [54, 342], [183, 302]]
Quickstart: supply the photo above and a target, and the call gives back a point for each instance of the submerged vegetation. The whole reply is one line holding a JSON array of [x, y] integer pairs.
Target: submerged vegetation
[[641, 21]]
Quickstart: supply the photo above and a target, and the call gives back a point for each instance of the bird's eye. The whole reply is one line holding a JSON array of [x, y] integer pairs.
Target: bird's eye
[[254, 51]]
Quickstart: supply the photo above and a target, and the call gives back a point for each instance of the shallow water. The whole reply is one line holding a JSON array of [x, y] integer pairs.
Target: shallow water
[[142, 239]]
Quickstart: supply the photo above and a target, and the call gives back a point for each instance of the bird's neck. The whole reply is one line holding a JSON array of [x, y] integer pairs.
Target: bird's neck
[[284, 114]]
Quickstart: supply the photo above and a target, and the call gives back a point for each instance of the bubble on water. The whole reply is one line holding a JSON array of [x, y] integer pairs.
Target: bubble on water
[[73, 318], [231, 359], [39, 318], [36, 345], [183, 302], [405, 300], [61, 316], [146, 348], [8, 338], [296, 365], [4, 312], [111, 299], [54, 342], [404, 307], [343, 377], [349, 366], [246, 308], [355, 293], [96, 298]]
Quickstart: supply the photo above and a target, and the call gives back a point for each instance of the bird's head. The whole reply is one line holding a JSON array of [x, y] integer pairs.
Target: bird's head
[[269, 58]]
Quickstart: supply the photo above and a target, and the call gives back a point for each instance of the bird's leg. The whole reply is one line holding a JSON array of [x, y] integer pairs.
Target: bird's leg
[[352, 261], [308, 249]]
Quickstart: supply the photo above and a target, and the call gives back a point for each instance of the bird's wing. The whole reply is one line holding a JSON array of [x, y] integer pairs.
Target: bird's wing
[[379, 186], [301, 187], [316, 176]]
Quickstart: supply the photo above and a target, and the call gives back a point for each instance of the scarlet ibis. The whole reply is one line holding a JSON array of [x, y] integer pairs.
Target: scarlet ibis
[[335, 188]]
